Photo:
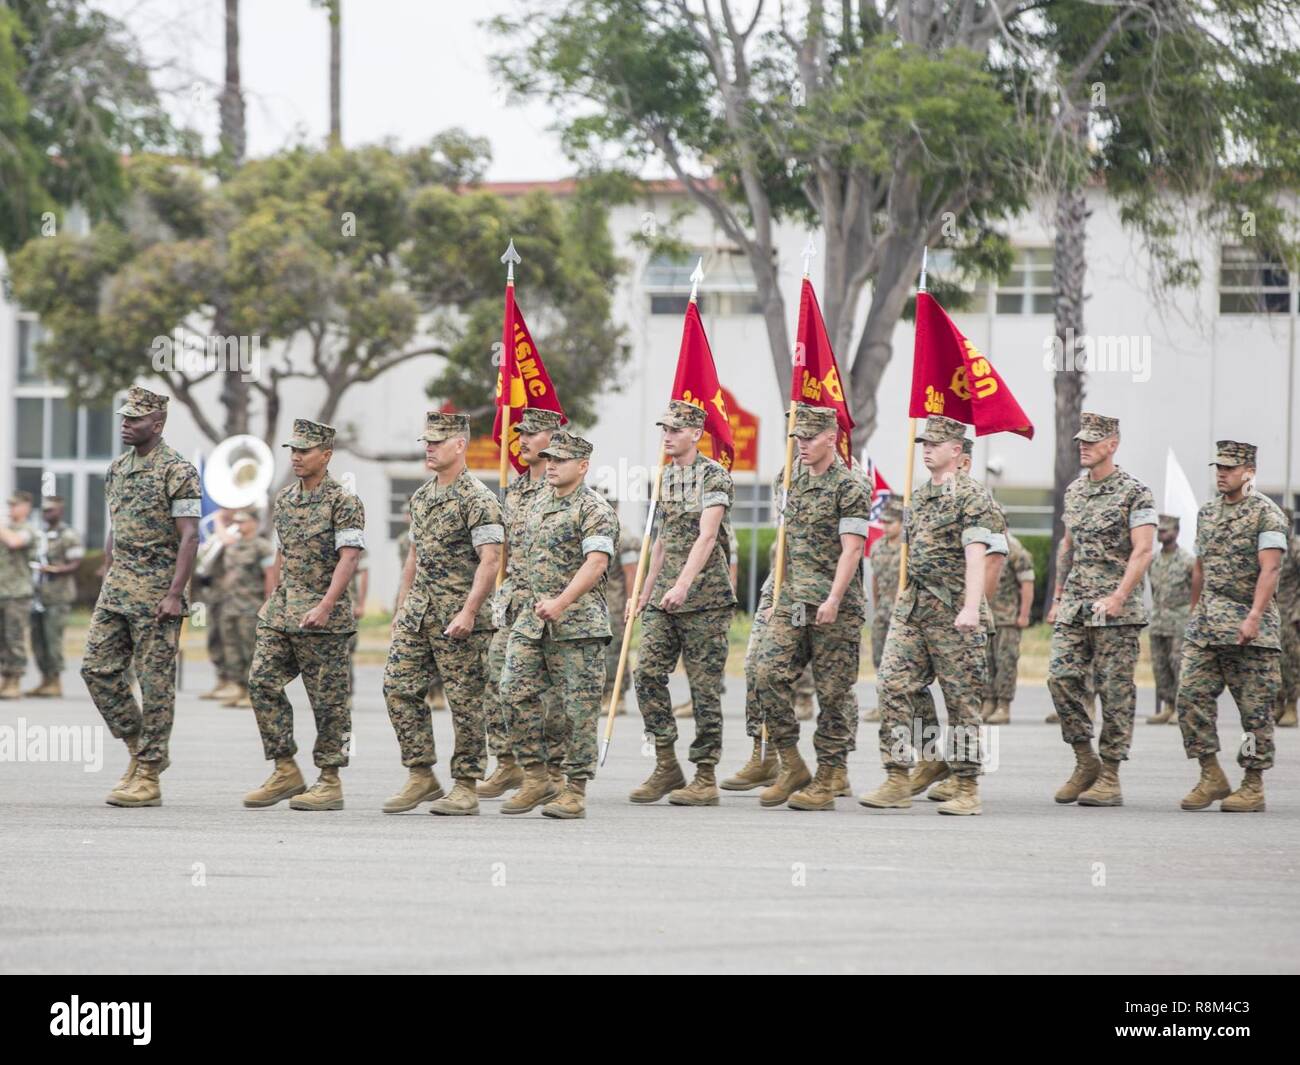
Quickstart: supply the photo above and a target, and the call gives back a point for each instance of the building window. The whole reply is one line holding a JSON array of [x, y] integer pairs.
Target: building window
[[1249, 284], [752, 504], [400, 490], [728, 287], [29, 367], [1029, 510], [1029, 287]]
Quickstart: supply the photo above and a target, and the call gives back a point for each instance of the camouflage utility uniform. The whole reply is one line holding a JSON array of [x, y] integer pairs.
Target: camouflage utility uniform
[[57, 594], [242, 588], [1004, 648], [16, 603], [1171, 594]]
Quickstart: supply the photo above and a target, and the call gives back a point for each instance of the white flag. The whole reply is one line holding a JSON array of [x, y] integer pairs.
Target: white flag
[[1180, 501]]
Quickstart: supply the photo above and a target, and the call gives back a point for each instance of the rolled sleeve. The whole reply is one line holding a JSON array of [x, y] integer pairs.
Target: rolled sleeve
[[75, 554], [349, 538], [487, 534], [1142, 516], [1272, 540], [715, 499], [854, 526], [187, 508], [603, 544], [1024, 575], [998, 545], [977, 534]]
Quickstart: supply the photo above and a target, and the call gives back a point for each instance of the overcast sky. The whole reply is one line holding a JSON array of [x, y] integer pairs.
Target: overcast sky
[[410, 69]]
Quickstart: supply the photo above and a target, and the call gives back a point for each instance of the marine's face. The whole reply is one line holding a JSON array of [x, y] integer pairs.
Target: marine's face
[[563, 474], [1095, 453], [939, 455], [441, 455], [1167, 536], [679, 441], [531, 443], [893, 527], [52, 513], [19, 513], [307, 462], [813, 449], [1230, 479], [136, 431]]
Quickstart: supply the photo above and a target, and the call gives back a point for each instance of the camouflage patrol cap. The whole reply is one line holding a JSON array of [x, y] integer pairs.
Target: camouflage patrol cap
[[309, 434], [20, 497], [140, 401], [1166, 522], [1096, 427], [51, 501], [565, 445], [1233, 453], [892, 510], [811, 421], [939, 429], [439, 426], [538, 420], [682, 415]]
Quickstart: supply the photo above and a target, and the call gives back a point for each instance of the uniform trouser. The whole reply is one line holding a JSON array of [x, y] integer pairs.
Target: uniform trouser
[[112, 642], [322, 660], [557, 728], [47, 638], [612, 651], [217, 653], [1004, 660], [1108, 654], [462, 663], [700, 638], [1166, 653], [576, 668], [923, 643], [879, 631], [238, 642], [833, 651], [803, 688], [15, 620], [1290, 661], [1253, 675]]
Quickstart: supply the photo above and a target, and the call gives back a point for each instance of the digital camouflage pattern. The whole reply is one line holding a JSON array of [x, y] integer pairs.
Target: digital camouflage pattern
[[699, 638], [1171, 595], [499, 720], [1288, 605], [57, 594], [575, 670], [941, 520], [15, 601], [113, 642], [885, 557], [686, 492], [1100, 658], [1018, 569], [616, 593], [310, 529], [803, 687], [1003, 663], [1229, 537], [321, 658], [1004, 644], [818, 511], [242, 591]]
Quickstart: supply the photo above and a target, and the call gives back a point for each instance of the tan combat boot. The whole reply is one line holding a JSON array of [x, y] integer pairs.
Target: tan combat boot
[[571, 804], [930, 771], [49, 688], [143, 790], [793, 776], [871, 715], [1288, 716], [132, 745], [966, 801], [244, 702], [557, 777], [1165, 715], [1212, 786], [284, 783], [507, 776], [686, 709], [227, 689], [894, 794], [215, 692], [986, 709], [841, 783], [1052, 719], [538, 787], [239, 695], [1247, 799], [702, 791], [325, 794], [421, 786], [11, 688], [1105, 792], [667, 776], [1001, 713], [1087, 766], [462, 802], [944, 790], [820, 794], [803, 706], [758, 772]]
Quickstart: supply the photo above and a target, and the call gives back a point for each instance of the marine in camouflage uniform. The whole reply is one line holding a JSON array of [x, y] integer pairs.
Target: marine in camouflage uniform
[[1171, 595], [304, 628], [618, 585], [435, 699], [560, 628], [359, 590], [1288, 604], [153, 506], [687, 606], [817, 618], [1010, 607], [241, 590], [445, 619], [1233, 637], [534, 428], [1097, 610], [17, 553], [60, 557], [940, 629], [204, 592]]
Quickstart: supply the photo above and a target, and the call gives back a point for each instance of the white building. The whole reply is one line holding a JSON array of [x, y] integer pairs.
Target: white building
[[1217, 361]]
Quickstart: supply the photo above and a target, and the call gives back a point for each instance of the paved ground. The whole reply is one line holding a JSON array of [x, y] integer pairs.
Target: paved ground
[[202, 885]]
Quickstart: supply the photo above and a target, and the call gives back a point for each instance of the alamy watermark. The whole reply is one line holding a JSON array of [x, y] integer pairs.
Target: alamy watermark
[[1099, 354], [192, 353], [53, 743]]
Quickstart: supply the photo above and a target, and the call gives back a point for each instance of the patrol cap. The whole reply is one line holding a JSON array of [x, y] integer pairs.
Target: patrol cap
[[439, 426], [939, 429], [20, 497], [1096, 427], [538, 420], [682, 415], [140, 401], [564, 445], [810, 421], [309, 434], [892, 510], [1233, 453], [243, 515], [51, 501], [1166, 522]]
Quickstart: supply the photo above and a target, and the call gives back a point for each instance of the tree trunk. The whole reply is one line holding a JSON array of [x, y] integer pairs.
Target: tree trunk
[[336, 62], [233, 140], [1070, 265]]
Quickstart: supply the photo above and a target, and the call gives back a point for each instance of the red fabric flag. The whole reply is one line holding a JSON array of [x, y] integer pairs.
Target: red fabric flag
[[697, 382], [880, 495], [950, 376], [530, 384], [816, 378]]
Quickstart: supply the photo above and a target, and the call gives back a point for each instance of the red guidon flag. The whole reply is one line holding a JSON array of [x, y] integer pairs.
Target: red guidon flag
[[816, 378], [522, 380], [951, 377], [697, 382], [881, 493]]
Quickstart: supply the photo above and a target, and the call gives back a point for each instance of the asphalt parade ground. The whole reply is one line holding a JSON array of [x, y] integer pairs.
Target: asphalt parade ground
[[203, 885]]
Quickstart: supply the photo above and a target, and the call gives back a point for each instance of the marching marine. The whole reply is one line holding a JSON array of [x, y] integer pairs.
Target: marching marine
[[59, 554], [17, 554], [246, 581], [1171, 595]]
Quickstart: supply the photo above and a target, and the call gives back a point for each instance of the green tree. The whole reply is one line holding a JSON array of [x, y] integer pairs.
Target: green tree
[[343, 264]]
